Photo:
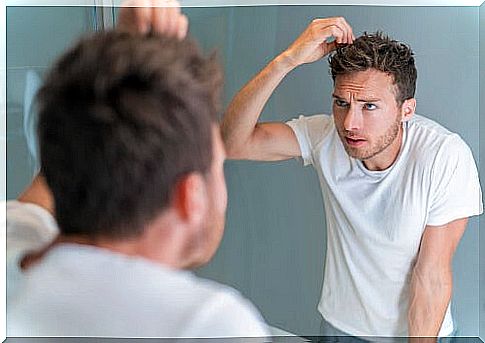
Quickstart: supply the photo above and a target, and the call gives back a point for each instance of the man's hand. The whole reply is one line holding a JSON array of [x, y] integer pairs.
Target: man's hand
[[156, 16], [312, 44]]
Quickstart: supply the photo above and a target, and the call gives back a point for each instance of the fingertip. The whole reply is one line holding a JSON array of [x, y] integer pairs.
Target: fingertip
[[144, 28], [183, 27]]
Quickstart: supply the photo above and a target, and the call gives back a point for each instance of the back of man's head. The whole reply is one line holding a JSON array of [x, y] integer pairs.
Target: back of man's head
[[122, 118]]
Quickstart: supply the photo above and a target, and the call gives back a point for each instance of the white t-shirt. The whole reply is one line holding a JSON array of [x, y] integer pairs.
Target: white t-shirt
[[81, 290], [375, 219]]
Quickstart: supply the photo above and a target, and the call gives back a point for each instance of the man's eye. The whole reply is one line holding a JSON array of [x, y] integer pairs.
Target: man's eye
[[341, 103], [370, 107]]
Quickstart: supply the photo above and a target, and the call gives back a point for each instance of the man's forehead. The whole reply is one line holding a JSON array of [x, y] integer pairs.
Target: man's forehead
[[369, 83]]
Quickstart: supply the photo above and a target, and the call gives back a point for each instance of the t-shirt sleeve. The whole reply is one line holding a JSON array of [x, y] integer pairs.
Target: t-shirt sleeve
[[309, 131], [455, 190], [228, 314], [29, 227]]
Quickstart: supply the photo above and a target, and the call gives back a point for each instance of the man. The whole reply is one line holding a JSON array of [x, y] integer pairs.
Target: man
[[397, 187], [132, 158]]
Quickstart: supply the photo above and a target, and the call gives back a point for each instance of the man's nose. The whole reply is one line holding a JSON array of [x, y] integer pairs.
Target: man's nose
[[353, 119]]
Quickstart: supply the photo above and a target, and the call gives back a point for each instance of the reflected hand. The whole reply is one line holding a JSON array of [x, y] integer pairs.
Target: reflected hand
[[157, 16], [312, 44]]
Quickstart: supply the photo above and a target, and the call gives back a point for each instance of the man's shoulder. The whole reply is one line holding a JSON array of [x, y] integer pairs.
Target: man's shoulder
[[221, 297], [314, 119], [211, 309], [21, 213], [313, 127], [434, 143], [429, 128], [183, 304], [29, 227], [429, 135], [227, 312], [214, 309]]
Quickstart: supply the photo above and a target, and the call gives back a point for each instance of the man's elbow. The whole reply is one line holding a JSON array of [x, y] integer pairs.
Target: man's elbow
[[237, 150], [232, 144], [236, 154]]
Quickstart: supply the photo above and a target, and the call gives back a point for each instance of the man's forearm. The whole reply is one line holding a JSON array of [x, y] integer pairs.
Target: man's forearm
[[38, 193], [244, 110], [430, 295]]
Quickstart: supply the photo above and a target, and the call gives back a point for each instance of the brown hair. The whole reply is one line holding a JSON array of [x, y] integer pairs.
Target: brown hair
[[122, 117], [379, 52]]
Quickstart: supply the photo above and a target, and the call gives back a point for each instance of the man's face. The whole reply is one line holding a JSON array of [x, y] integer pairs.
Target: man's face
[[367, 116], [217, 199]]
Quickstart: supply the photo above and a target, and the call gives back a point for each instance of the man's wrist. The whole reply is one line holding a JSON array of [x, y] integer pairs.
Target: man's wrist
[[283, 63]]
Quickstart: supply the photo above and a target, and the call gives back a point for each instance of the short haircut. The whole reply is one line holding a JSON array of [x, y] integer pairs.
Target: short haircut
[[121, 118], [378, 51]]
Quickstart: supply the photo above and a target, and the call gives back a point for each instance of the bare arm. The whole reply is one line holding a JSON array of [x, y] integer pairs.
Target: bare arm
[[38, 193], [244, 137], [432, 280]]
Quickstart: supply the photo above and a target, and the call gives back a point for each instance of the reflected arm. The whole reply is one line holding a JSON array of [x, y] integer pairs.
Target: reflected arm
[[243, 136], [432, 280]]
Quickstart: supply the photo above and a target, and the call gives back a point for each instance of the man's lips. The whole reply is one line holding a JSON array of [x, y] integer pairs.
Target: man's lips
[[355, 141]]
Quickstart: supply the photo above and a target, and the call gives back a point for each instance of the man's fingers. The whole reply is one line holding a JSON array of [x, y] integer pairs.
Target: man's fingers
[[173, 14], [333, 31], [142, 15], [326, 48], [344, 35], [349, 31], [158, 19], [134, 16], [183, 27], [164, 17], [160, 16]]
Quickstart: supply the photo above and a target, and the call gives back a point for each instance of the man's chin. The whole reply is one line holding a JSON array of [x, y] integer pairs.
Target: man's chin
[[357, 153]]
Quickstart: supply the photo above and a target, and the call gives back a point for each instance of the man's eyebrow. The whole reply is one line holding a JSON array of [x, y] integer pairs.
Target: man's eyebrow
[[368, 100], [358, 100]]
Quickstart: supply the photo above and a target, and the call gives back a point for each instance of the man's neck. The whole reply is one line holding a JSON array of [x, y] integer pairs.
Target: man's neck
[[387, 157], [158, 244]]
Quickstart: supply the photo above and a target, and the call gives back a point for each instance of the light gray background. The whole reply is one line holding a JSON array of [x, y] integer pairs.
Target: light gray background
[[274, 246], [35, 37]]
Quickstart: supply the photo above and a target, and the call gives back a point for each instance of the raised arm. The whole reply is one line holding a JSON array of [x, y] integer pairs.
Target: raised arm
[[38, 193], [244, 137], [432, 280]]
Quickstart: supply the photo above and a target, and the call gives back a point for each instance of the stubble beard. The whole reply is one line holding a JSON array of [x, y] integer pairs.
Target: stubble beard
[[381, 144]]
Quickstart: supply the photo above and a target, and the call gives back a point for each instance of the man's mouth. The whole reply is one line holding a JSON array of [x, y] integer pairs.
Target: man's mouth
[[355, 142]]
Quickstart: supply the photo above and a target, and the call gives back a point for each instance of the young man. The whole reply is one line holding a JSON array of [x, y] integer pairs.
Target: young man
[[132, 158], [398, 188]]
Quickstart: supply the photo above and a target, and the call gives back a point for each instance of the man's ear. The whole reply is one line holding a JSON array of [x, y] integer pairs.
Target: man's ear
[[408, 108], [190, 199]]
